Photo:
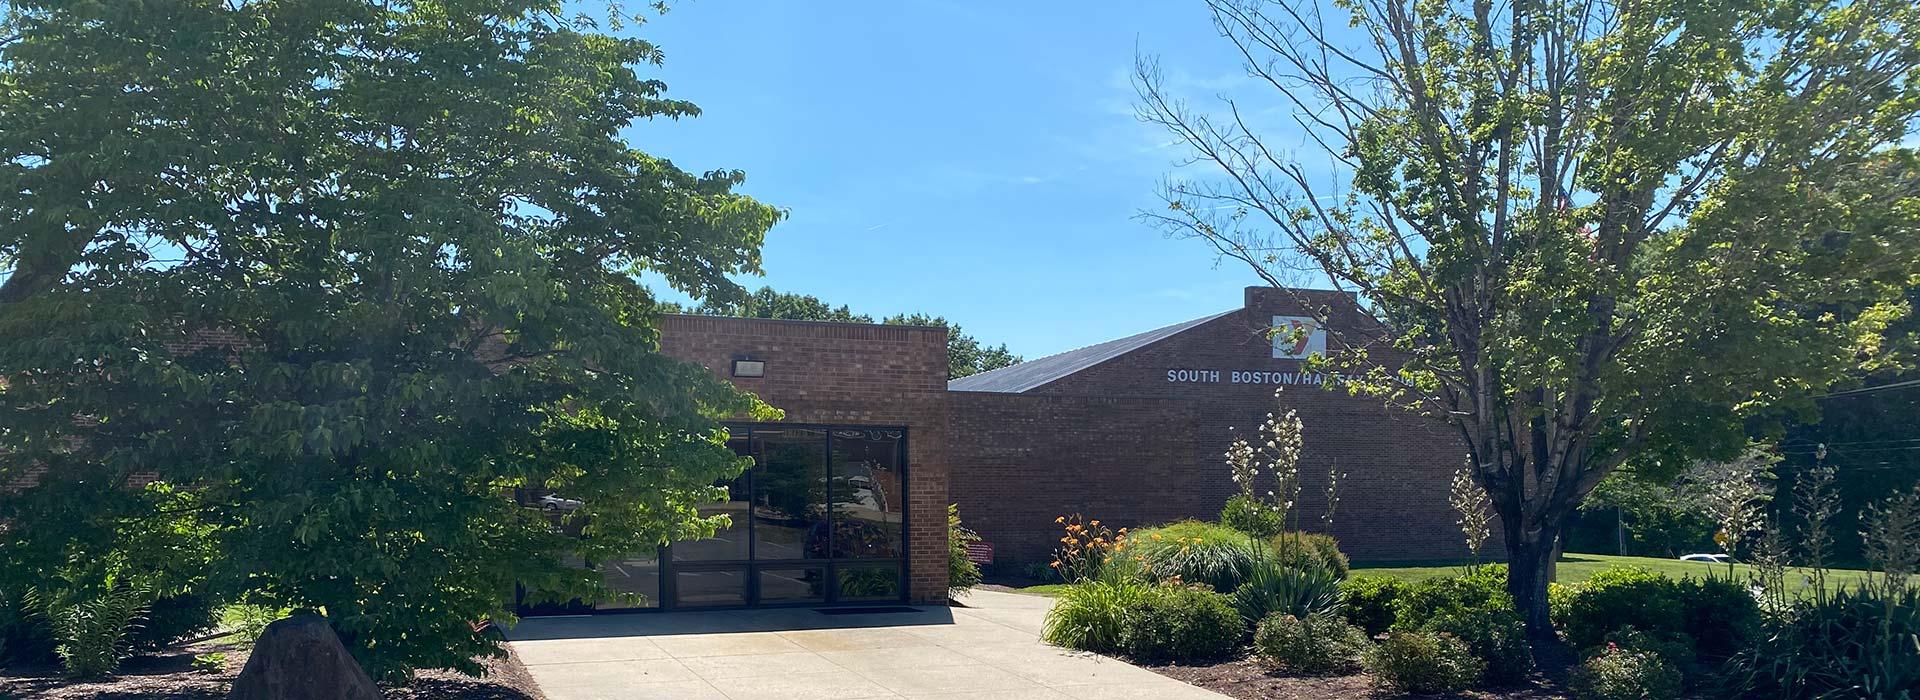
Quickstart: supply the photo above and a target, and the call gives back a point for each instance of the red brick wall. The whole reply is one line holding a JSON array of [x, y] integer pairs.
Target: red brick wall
[[1120, 442], [850, 374]]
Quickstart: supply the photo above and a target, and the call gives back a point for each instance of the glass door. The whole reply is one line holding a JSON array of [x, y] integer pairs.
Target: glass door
[[819, 518]]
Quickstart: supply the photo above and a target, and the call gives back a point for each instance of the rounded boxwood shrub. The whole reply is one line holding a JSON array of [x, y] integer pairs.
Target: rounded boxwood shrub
[[1368, 601], [1316, 645], [1721, 616], [1497, 636], [1618, 673], [1477, 610], [1195, 552], [1422, 662], [1617, 598], [1181, 624], [1310, 550]]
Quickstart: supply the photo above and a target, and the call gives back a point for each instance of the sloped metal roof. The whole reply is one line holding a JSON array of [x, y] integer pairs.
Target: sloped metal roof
[[1031, 374]]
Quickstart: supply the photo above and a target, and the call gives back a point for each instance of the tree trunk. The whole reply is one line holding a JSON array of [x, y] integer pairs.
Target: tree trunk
[[1530, 558]]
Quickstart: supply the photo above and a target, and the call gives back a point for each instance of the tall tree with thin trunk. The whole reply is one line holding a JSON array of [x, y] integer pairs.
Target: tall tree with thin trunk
[[1599, 230]]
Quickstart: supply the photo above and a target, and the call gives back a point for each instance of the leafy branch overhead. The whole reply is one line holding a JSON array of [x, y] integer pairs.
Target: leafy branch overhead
[[352, 273], [1599, 231]]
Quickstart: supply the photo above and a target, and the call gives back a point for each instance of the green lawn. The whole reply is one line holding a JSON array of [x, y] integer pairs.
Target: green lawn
[[1575, 567]]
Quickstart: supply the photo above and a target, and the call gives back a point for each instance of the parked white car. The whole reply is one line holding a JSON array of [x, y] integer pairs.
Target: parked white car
[[556, 503], [1708, 558]]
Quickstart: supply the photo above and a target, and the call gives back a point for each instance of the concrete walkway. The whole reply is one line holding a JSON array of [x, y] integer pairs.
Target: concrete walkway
[[989, 650]]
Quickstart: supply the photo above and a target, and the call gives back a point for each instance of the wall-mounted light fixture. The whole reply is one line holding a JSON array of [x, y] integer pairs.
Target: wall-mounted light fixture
[[749, 368]]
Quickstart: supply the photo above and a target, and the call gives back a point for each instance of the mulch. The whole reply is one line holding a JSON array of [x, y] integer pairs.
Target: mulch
[[1246, 679], [170, 674]]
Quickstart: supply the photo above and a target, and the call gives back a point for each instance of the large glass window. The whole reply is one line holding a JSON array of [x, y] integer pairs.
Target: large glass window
[[730, 542], [820, 517], [790, 494], [868, 494], [637, 574], [710, 588]]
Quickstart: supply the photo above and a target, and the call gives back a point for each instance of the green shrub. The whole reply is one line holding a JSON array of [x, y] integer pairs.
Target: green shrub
[[1315, 645], [1252, 517], [248, 622], [24, 636], [1181, 624], [1496, 635], [1477, 610], [962, 573], [1090, 615], [1676, 649], [1311, 549], [1195, 552], [1422, 662], [1858, 643], [91, 628], [1271, 586], [1721, 617], [1618, 673], [1484, 589], [1368, 601], [1617, 598]]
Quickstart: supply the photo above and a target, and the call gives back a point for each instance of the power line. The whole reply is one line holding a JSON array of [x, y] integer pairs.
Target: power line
[[1872, 389]]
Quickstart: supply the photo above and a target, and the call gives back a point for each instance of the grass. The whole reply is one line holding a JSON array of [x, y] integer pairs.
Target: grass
[[1574, 568]]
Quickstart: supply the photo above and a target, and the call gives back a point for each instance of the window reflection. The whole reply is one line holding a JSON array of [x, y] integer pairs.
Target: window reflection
[[790, 494], [868, 494], [636, 574], [729, 543], [795, 585], [705, 588], [869, 582]]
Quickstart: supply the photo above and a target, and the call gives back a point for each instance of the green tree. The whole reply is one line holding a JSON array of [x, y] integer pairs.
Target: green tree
[[1603, 230], [348, 273], [966, 355]]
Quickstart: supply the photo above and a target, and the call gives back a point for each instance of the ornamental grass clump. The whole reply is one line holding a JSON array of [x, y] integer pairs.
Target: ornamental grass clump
[[1195, 552], [1091, 615]]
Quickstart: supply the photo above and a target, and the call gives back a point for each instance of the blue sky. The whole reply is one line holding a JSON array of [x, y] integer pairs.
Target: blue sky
[[954, 158]]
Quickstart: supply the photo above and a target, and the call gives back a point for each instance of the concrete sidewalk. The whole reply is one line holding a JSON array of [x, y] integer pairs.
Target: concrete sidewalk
[[989, 650]]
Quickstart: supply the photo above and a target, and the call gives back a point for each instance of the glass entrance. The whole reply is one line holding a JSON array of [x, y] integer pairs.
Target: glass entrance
[[820, 518]]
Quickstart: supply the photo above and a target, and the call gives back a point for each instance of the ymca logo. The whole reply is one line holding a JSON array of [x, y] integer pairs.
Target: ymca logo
[[1297, 337]]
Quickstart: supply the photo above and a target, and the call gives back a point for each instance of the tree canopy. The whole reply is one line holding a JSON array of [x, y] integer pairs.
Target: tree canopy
[[1604, 230], [966, 355], [344, 275]]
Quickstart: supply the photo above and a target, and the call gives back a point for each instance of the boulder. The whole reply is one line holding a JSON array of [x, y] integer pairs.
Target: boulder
[[300, 658]]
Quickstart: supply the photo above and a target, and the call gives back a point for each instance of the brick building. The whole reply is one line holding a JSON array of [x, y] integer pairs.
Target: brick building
[[1134, 431], [876, 442]]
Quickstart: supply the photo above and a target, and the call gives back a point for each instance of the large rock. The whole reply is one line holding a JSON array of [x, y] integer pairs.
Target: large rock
[[300, 658]]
